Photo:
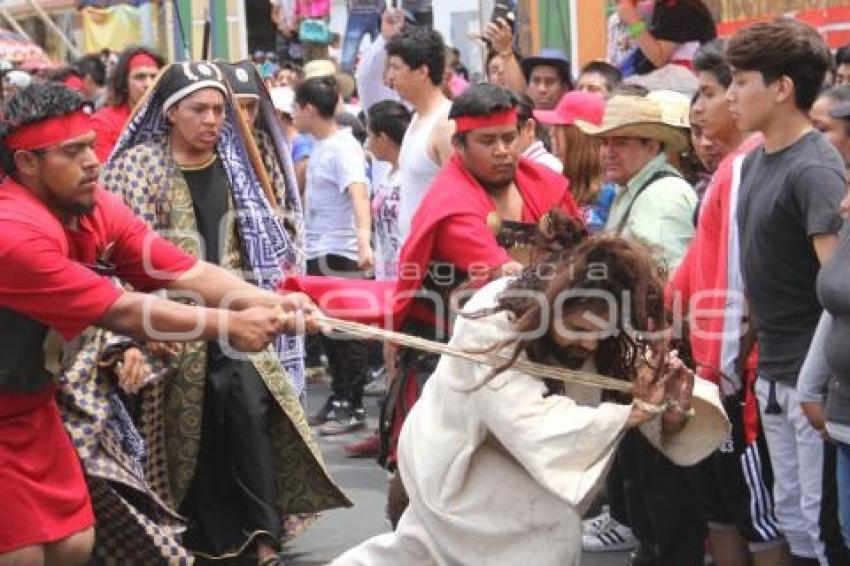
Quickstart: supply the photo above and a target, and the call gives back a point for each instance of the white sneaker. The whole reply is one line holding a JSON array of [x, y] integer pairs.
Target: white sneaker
[[604, 534], [593, 526]]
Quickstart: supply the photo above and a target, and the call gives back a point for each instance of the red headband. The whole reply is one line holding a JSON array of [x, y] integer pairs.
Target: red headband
[[52, 131], [141, 59], [467, 123]]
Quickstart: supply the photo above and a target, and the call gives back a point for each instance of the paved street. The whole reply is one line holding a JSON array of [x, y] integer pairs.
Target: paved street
[[365, 484]]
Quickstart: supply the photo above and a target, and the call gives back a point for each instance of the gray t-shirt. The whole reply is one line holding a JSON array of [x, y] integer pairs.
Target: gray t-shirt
[[336, 163], [786, 198]]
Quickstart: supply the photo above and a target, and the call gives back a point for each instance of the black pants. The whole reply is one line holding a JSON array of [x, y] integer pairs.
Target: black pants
[[662, 510], [234, 492], [348, 360]]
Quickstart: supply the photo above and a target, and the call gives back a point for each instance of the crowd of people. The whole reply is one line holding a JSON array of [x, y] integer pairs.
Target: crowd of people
[[645, 261]]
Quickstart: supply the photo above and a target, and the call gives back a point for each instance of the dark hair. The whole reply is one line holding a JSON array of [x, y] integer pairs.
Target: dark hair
[[710, 59], [787, 48], [481, 100], [120, 80], [612, 75], [624, 269], [37, 102], [348, 120], [418, 46], [525, 112], [92, 66], [321, 92], [391, 118], [842, 55]]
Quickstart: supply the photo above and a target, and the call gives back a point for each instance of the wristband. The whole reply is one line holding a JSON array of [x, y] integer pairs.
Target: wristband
[[656, 410], [636, 29]]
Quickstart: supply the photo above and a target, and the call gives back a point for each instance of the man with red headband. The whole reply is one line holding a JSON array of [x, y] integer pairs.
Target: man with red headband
[[480, 216], [134, 74], [62, 236]]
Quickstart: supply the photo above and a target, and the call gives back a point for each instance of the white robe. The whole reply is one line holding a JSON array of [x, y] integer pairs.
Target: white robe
[[500, 474]]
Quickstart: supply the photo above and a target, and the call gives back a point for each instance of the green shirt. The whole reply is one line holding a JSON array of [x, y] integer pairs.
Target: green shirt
[[663, 216]]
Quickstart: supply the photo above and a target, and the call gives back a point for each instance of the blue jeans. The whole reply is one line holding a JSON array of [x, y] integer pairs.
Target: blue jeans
[[359, 24], [842, 479]]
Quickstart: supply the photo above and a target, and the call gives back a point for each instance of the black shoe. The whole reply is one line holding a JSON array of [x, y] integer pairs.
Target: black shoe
[[345, 419], [324, 414]]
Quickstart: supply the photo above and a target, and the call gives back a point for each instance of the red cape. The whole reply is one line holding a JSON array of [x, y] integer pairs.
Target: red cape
[[454, 194], [108, 122]]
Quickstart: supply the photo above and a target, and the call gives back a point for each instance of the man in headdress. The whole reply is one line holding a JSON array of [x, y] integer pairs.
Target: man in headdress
[[480, 218], [261, 117], [240, 455], [133, 75], [61, 236]]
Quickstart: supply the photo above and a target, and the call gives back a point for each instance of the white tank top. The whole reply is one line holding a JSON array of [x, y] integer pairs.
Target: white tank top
[[416, 168]]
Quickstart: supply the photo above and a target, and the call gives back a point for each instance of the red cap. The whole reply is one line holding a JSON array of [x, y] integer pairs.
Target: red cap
[[575, 105]]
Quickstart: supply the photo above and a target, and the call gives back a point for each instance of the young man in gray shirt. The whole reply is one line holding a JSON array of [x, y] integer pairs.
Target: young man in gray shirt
[[790, 193]]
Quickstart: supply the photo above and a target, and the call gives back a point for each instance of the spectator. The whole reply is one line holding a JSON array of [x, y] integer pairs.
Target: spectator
[[677, 29], [788, 218], [831, 116], [453, 83], [530, 142], [496, 69], [599, 77], [337, 238], [364, 18], [134, 74], [653, 202], [580, 154], [842, 66], [388, 122], [548, 76], [93, 72], [416, 59]]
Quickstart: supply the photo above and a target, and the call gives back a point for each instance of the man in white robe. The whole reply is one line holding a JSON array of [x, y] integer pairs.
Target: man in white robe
[[499, 471]]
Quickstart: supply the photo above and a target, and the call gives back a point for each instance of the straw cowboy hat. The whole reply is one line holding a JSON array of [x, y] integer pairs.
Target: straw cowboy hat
[[635, 117]]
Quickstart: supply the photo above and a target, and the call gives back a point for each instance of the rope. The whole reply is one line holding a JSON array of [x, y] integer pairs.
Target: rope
[[533, 369]]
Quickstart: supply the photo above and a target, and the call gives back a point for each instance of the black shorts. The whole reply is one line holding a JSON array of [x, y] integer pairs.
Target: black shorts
[[734, 485]]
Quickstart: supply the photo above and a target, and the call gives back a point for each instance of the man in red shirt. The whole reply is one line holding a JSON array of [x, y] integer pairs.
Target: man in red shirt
[[60, 237], [133, 76]]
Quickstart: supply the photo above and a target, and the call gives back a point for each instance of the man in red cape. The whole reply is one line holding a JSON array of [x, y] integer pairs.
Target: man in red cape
[[134, 74], [481, 211]]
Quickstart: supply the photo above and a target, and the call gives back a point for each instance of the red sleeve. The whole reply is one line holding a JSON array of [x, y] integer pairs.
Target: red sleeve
[[39, 281], [466, 241], [141, 256], [106, 133]]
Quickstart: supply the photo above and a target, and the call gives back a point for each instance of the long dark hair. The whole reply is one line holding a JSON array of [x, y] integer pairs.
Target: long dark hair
[[606, 264], [119, 89]]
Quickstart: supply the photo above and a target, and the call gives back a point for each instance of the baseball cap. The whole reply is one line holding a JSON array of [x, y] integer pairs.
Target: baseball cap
[[574, 105]]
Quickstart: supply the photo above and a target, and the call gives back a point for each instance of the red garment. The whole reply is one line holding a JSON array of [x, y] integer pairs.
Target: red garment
[[702, 280], [450, 226], [108, 122], [43, 495], [44, 272]]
